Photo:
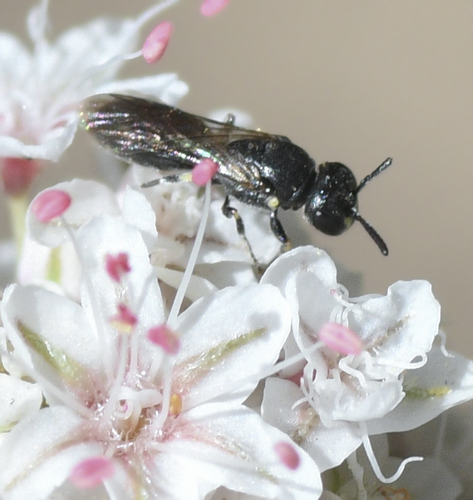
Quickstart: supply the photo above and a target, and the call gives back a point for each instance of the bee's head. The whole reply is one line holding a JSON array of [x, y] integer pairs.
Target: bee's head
[[332, 206]]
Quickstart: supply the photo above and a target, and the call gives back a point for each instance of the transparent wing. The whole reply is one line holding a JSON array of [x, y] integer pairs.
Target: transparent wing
[[154, 134]]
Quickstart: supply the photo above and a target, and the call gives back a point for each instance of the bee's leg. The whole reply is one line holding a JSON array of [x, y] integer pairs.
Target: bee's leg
[[278, 231], [169, 179], [230, 212]]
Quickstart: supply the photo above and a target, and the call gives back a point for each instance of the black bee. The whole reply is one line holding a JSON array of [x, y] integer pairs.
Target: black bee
[[264, 170]]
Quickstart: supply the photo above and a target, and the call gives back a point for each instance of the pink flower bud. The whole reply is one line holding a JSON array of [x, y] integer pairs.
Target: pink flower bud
[[288, 455], [156, 43], [50, 204], [91, 472], [204, 171], [212, 7], [17, 174], [340, 339], [166, 338]]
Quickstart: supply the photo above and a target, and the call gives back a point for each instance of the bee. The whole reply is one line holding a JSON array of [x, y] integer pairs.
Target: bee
[[263, 170]]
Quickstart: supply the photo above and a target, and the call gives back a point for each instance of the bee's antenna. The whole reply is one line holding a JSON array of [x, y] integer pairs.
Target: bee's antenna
[[386, 163], [370, 229]]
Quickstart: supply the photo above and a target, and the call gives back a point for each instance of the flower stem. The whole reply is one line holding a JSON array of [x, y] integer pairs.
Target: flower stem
[[17, 207]]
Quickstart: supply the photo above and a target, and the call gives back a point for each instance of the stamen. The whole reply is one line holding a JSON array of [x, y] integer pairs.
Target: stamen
[[125, 320], [117, 265], [288, 455], [204, 172], [374, 463], [156, 42], [211, 7], [50, 204], [340, 339], [99, 319], [166, 338], [91, 472], [37, 23], [176, 306], [153, 11], [175, 405]]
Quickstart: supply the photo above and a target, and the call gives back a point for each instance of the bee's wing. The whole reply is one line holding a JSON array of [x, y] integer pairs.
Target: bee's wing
[[154, 134]]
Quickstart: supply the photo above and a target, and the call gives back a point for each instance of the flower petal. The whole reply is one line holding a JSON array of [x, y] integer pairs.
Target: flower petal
[[38, 454], [18, 399], [89, 198], [228, 445], [228, 336], [328, 446], [443, 382]]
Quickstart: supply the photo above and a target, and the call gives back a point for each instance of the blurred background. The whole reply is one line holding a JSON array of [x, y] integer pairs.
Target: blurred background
[[349, 81]]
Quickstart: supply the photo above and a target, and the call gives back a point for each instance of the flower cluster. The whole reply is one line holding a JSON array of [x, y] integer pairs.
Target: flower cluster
[[144, 355]]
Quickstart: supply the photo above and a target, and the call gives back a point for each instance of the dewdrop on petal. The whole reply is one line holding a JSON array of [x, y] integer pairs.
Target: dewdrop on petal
[[156, 42], [211, 7], [340, 338], [204, 172], [50, 204], [91, 472]]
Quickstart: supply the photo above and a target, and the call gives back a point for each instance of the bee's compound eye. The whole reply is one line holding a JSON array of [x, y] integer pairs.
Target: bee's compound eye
[[329, 222]]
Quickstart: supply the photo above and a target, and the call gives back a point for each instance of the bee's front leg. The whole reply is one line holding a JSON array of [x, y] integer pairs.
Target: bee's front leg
[[278, 231]]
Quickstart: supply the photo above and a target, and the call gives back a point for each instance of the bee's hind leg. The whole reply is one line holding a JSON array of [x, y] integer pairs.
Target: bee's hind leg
[[230, 212]]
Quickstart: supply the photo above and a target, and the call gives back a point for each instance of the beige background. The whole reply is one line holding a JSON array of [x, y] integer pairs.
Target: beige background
[[352, 81]]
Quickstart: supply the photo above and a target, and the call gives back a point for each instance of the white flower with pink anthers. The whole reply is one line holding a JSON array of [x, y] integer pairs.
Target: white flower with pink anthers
[[135, 402]]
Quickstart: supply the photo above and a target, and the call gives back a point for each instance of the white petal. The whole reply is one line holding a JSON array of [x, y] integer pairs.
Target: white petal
[[440, 384], [18, 399], [89, 199], [97, 239], [398, 326], [166, 87], [38, 455], [229, 336], [137, 212], [305, 276], [328, 446], [231, 446], [51, 146], [51, 335]]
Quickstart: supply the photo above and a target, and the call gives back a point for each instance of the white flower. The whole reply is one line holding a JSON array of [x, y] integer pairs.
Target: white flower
[[171, 426], [40, 90], [178, 209], [48, 257], [336, 401]]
